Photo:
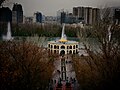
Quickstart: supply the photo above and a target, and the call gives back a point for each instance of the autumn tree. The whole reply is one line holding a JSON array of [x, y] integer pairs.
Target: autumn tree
[[100, 70], [25, 66]]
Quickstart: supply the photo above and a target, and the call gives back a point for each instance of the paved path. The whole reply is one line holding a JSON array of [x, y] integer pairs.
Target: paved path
[[64, 73]]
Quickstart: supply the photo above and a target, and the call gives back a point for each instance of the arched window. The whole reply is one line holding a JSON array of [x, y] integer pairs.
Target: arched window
[[57, 47], [57, 51], [74, 47], [62, 52], [70, 47], [77, 51], [54, 51], [67, 47], [70, 52], [62, 47], [54, 46], [73, 51], [51, 46], [49, 50]]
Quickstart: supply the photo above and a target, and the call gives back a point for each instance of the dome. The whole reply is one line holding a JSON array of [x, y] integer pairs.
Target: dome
[[63, 40]]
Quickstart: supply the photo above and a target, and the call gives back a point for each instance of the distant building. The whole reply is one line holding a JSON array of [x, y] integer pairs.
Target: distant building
[[63, 17], [113, 13], [17, 13], [117, 15], [75, 11], [69, 18], [37, 17], [95, 15], [50, 19], [5, 14], [87, 15], [81, 12], [66, 17], [29, 20]]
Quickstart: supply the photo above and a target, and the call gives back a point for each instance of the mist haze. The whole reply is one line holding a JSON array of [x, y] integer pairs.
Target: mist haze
[[50, 7]]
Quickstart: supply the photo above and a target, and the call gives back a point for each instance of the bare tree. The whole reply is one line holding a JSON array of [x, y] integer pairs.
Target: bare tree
[[24, 66], [100, 70], [1, 1]]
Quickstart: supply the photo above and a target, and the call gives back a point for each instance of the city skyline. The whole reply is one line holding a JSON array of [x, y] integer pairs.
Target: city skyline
[[51, 7]]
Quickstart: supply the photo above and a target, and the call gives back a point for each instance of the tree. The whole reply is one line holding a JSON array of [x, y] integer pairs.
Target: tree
[[24, 66], [1, 1], [100, 70]]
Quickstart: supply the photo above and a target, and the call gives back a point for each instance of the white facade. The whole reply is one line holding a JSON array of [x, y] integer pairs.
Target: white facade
[[63, 46], [70, 47]]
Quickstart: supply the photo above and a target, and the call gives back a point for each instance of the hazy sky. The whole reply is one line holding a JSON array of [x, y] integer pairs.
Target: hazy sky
[[49, 7]]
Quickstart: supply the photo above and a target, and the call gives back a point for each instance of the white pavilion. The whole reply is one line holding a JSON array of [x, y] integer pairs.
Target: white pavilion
[[63, 46]]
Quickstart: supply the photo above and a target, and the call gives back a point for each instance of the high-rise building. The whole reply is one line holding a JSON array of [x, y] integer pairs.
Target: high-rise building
[[17, 13], [63, 17], [78, 14], [68, 18], [75, 11], [95, 15], [112, 13], [37, 17], [87, 15], [5, 14], [117, 15], [81, 12]]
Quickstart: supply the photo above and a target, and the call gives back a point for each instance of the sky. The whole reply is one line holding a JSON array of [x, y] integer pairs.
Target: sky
[[50, 7]]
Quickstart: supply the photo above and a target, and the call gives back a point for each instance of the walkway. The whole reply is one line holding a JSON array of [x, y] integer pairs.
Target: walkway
[[64, 76]]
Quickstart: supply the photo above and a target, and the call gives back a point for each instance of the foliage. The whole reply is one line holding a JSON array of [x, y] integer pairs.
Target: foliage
[[47, 30], [24, 66], [1, 1], [100, 70], [71, 31]]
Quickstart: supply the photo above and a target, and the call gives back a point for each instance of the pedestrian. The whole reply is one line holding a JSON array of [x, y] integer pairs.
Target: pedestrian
[[74, 80], [51, 88], [71, 79], [55, 81], [58, 71]]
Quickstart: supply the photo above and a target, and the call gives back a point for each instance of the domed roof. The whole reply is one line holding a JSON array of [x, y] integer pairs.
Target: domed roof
[[63, 40]]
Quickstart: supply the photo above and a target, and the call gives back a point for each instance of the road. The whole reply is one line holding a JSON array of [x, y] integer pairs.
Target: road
[[64, 73]]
